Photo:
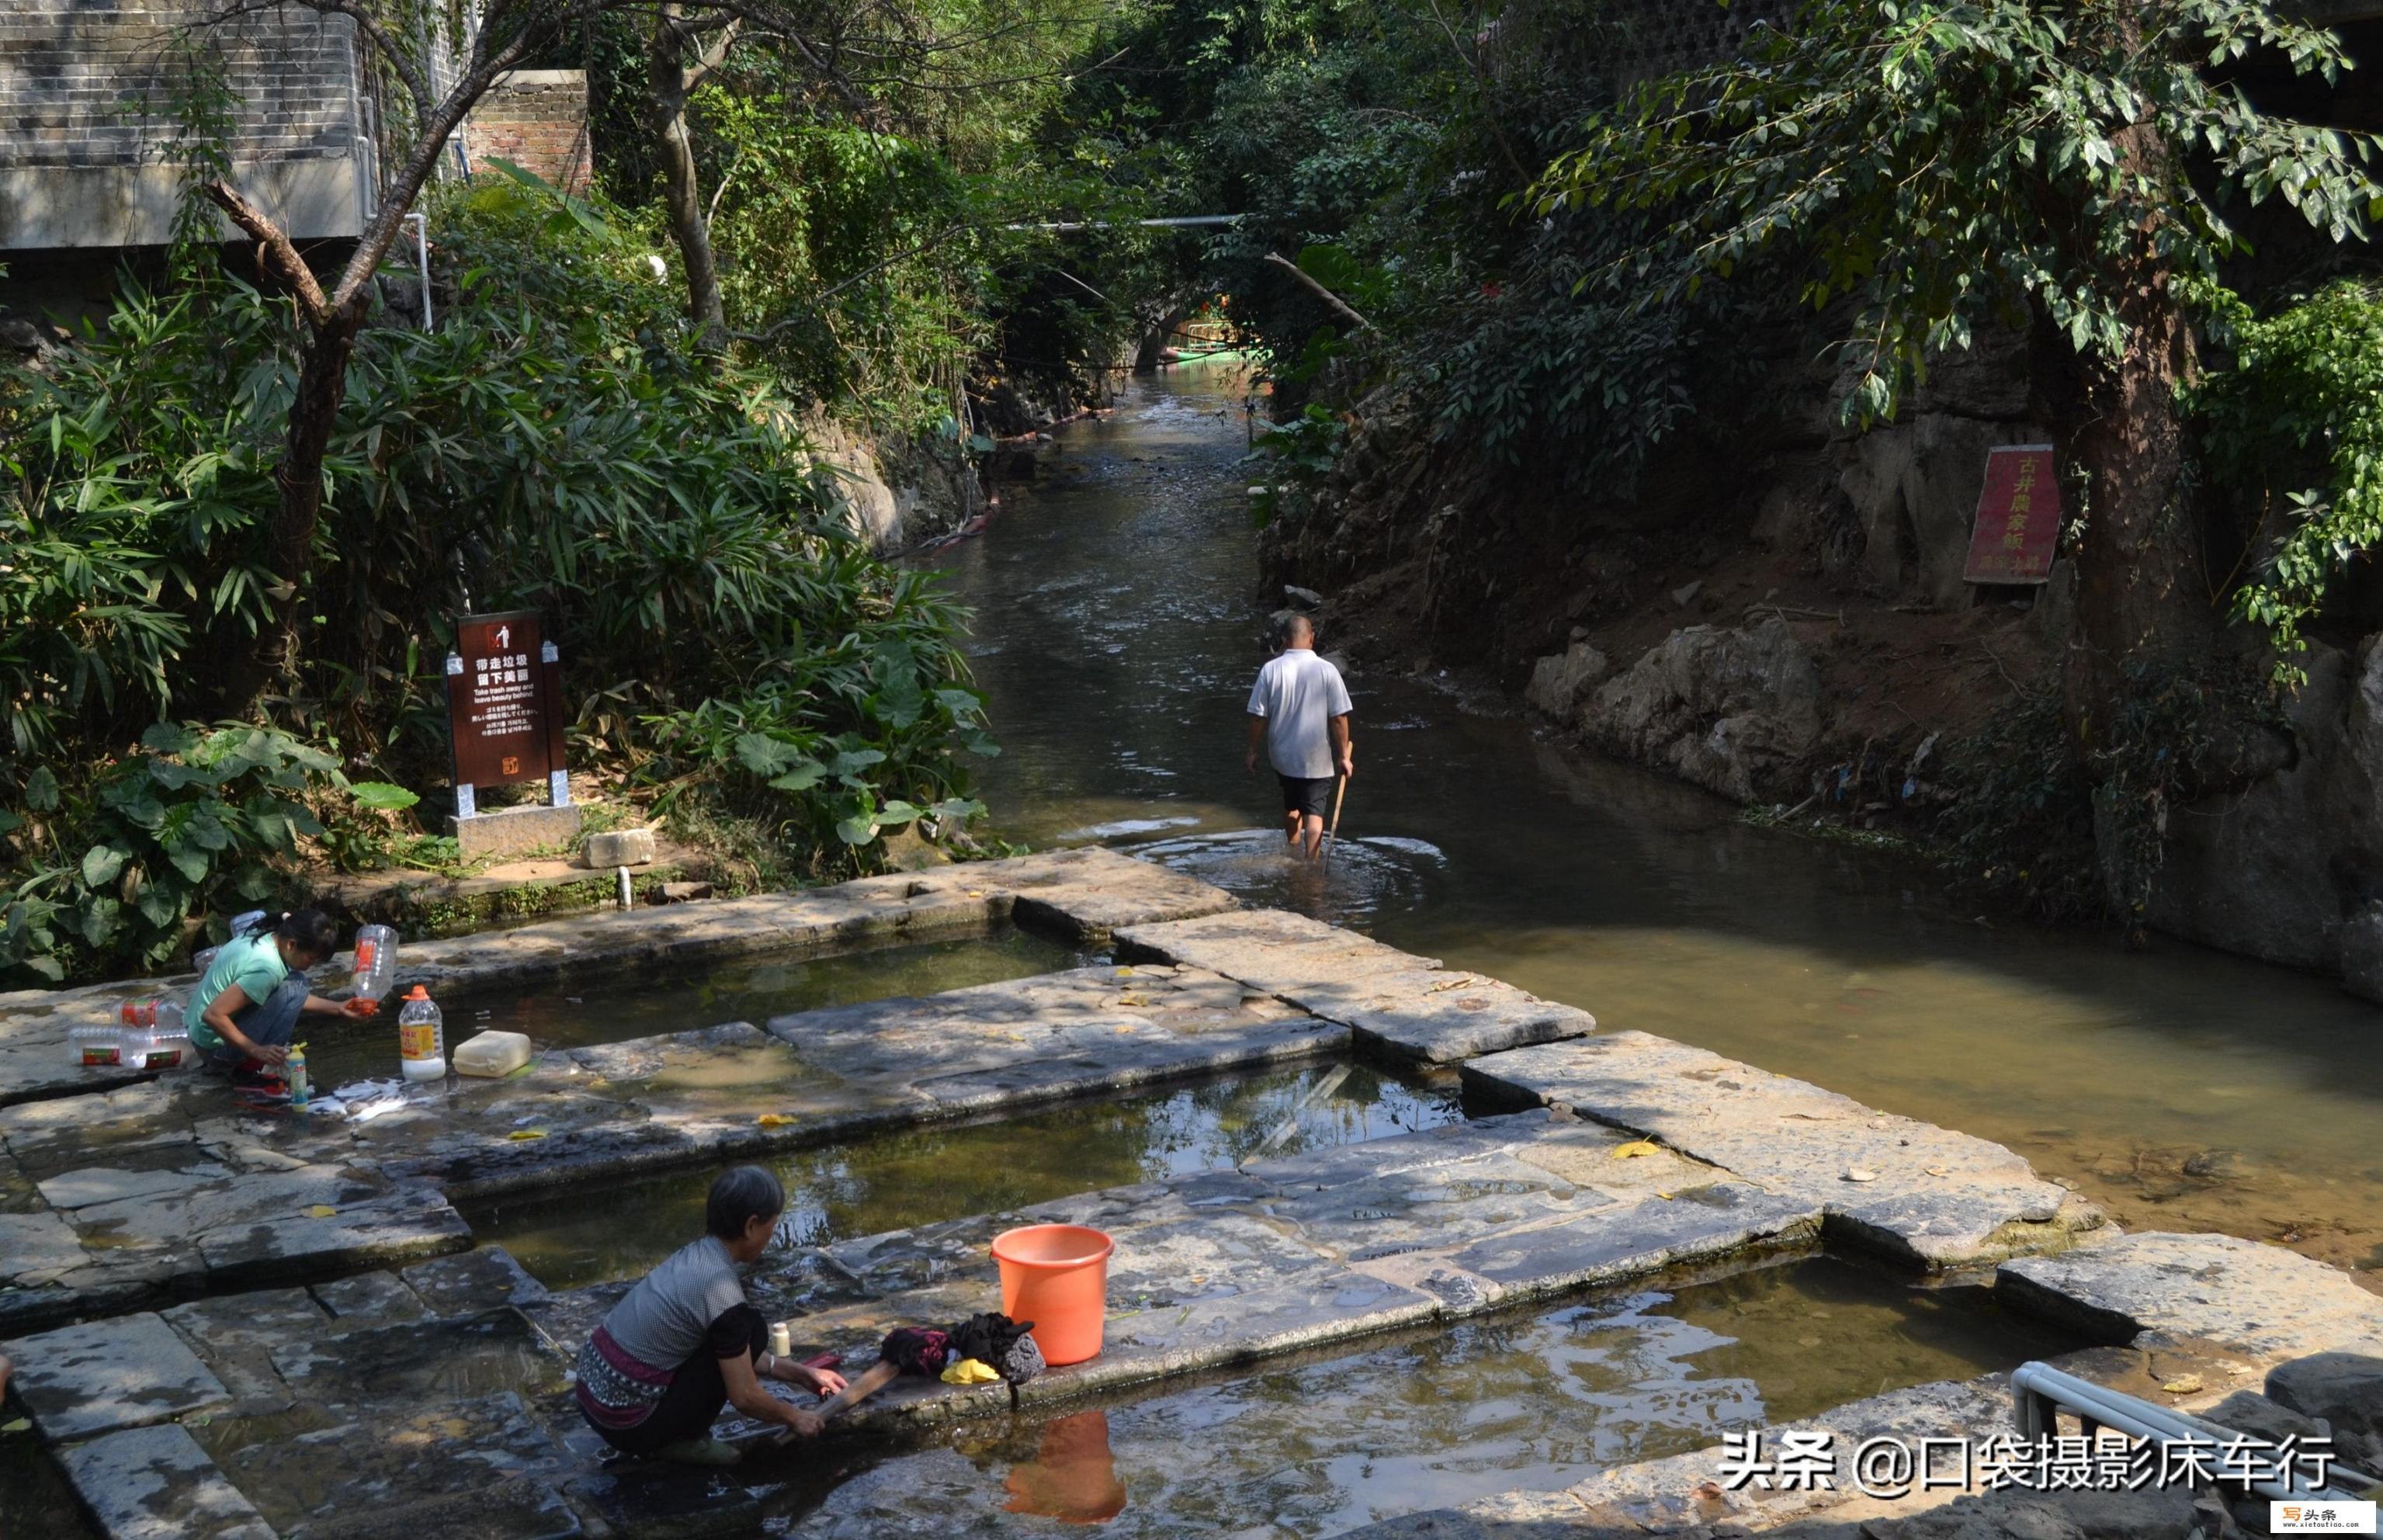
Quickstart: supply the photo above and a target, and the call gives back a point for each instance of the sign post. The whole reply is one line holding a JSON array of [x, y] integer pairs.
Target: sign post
[[505, 719], [2018, 517]]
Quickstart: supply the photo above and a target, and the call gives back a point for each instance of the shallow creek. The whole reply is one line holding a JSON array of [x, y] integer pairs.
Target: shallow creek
[[1116, 635], [1315, 1446], [921, 1175]]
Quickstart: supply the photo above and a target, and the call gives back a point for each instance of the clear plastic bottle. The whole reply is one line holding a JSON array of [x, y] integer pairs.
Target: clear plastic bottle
[[152, 1036], [96, 1047], [376, 961], [421, 1037], [241, 925]]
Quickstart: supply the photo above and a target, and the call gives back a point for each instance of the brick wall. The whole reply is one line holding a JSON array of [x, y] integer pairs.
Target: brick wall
[[87, 120], [537, 119]]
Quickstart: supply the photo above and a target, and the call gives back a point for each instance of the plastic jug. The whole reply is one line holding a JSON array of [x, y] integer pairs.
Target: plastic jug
[[376, 961], [422, 1037], [491, 1056]]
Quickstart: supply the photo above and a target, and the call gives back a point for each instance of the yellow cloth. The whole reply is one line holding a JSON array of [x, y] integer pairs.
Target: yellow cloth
[[970, 1371]]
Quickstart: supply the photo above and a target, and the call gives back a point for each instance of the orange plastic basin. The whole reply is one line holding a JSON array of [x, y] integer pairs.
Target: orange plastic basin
[[1057, 1277]]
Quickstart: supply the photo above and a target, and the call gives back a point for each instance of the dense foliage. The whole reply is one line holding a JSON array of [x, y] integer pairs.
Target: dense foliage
[[554, 446]]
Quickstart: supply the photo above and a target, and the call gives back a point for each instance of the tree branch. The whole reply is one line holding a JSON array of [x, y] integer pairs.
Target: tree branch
[[1321, 292], [286, 260]]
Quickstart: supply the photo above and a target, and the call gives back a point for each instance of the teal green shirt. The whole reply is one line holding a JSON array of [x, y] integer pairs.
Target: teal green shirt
[[251, 962]]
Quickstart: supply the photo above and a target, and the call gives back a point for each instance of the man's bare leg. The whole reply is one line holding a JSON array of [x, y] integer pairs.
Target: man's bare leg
[[1315, 833], [1290, 828]]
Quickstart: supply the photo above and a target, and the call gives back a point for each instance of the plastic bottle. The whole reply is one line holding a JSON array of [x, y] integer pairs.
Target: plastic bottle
[[96, 1047], [376, 961], [422, 1037], [302, 1091], [239, 927], [152, 1037]]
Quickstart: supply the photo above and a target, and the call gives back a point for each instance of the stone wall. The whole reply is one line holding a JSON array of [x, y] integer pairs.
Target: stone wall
[[87, 90], [537, 119]]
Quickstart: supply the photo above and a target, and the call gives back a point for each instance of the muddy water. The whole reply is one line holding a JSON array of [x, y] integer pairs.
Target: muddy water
[[1537, 1401], [1116, 625], [920, 1176]]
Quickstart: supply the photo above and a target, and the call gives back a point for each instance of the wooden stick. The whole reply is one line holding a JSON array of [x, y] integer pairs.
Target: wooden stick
[[1324, 854]]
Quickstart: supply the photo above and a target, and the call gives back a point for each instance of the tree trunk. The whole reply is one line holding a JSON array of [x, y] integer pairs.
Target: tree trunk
[[288, 556], [681, 196]]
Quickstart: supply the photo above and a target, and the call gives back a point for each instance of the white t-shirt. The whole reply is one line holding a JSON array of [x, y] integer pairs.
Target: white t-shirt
[[1298, 693]]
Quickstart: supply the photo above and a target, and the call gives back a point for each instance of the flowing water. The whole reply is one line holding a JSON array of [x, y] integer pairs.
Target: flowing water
[[1116, 630], [920, 1175], [1428, 1420]]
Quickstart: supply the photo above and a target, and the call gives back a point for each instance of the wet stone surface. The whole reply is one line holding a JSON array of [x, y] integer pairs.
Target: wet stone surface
[[156, 1484], [2261, 1299], [1938, 1197], [1398, 1004], [104, 1375]]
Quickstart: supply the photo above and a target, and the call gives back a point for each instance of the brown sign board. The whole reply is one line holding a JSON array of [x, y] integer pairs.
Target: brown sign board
[[504, 705], [2018, 517]]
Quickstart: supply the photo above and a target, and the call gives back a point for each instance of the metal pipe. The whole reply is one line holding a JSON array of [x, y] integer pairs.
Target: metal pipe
[[1182, 222], [421, 224], [2039, 1390], [628, 894]]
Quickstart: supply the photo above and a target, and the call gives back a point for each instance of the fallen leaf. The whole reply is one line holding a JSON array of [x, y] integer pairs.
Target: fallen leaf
[[1125, 973], [2183, 1385], [520, 1134], [774, 1120], [1938, 1171], [1637, 1148], [321, 1211], [19, 1425], [974, 892], [1451, 984], [1860, 1174]]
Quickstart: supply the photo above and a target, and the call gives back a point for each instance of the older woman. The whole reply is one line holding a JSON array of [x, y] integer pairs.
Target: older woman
[[684, 1341]]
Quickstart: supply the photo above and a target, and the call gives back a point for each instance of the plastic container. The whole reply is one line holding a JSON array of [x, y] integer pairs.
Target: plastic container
[[376, 961], [151, 1037], [421, 1037], [241, 925], [1057, 1277], [301, 1089], [491, 1054], [96, 1047]]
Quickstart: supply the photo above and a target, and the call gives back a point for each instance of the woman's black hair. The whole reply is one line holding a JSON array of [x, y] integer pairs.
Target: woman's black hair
[[310, 930], [740, 1194]]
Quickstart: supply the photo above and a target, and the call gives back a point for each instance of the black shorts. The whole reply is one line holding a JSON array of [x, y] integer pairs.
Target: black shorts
[[1301, 795]]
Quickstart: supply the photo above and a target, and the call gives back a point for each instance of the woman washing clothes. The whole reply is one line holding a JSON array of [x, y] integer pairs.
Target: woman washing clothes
[[685, 1340], [244, 1011]]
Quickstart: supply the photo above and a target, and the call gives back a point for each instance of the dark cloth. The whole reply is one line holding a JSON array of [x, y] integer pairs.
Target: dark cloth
[[1023, 1363], [989, 1337], [1313, 798], [919, 1350], [696, 1391]]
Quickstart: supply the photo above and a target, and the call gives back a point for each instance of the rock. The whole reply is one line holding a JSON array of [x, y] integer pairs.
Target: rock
[[622, 847], [516, 831], [907, 850], [2252, 1297], [2156, 1513], [102, 1375], [2217, 1166], [1686, 594], [2346, 1390], [2362, 953], [2248, 1411], [1914, 485], [1733, 712], [869, 507], [156, 1484], [1561, 679], [470, 1282], [1306, 598], [685, 892]]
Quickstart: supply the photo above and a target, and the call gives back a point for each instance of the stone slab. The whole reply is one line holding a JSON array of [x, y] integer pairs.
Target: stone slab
[[36, 1248], [470, 1282], [369, 1300], [102, 1376], [2261, 1299], [1398, 1004], [156, 1484], [516, 831], [1929, 1194], [235, 1334]]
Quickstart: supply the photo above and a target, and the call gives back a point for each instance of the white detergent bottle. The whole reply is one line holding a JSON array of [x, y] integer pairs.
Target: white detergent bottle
[[422, 1037]]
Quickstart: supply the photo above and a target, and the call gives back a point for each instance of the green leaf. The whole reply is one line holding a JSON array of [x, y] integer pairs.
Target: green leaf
[[99, 919], [382, 797], [191, 862], [41, 790], [956, 809], [802, 778], [765, 756], [860, 829], [169, 737], [896, 813], [100, 864], [852, 761]]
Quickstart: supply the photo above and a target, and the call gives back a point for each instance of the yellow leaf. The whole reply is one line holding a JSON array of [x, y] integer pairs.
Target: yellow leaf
[[518, 1134], [774, 1120], [19, 1425], [2183, 1385], [321, 1211], [1125, 973], [1637, 1148]]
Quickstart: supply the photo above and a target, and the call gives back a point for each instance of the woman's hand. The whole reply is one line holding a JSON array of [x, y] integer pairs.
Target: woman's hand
[[360, 1007], [827, 1381], [270, 1055]]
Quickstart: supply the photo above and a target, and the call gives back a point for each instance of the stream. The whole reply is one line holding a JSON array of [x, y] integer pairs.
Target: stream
[[1117, 630]]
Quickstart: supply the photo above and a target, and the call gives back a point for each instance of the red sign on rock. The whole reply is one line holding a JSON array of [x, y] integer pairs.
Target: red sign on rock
[[2018, 517]]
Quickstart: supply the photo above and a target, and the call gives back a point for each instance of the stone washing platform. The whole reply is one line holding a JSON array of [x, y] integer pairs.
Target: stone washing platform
[[1081, 896], [1396, 1004]]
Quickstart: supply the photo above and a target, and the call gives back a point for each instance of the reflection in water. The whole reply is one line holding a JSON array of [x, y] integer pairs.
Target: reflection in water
[[1116, 633], [1072, 1477], [1436, 1418], [919, 1175]]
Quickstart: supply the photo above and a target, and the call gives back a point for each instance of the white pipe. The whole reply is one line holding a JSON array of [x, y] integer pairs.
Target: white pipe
[[2037, 1388], [422, 259], [1187, 221], [627, 894]]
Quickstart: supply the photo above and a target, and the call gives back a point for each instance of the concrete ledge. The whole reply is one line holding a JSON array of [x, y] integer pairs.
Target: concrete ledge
[[516, 831]]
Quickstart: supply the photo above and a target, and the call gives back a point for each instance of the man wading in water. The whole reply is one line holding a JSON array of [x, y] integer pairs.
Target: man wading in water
[[1301, 709]]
